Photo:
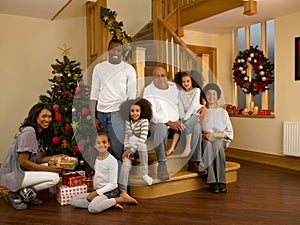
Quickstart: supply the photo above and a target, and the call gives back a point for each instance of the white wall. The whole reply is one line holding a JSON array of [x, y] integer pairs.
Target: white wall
[[28, 47]]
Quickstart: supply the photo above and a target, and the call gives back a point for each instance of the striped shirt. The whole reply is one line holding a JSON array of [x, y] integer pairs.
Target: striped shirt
[[138, 129]]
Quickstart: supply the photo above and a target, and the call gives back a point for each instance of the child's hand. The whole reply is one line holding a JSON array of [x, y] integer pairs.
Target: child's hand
[[91, 196], [126, 153]]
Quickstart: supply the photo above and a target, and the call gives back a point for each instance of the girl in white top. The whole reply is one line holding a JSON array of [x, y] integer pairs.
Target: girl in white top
[[106, 192], [189, 104]]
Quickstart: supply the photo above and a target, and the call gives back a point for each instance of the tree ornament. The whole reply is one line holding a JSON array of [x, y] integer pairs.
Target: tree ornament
[[68, 127], [85, 111], [55, 140], [64, 50], [58, 116], [69, 75], [55, 107], [262, 67]]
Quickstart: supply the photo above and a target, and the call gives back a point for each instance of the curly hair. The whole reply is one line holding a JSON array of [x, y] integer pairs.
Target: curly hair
[[146, 108], [180, 75], [212, 86]]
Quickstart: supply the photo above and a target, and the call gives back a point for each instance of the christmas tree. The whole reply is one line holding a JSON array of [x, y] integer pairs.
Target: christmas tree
[[72, 124]]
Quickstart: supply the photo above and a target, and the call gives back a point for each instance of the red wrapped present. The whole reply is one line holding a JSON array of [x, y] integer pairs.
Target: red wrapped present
[[89, 183], [72, 179]]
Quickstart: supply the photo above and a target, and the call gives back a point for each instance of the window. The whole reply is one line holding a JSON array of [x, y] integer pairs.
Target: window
[[261, 35]]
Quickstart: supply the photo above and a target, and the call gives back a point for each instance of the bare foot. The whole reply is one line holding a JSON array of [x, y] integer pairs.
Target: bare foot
[[169, 151], [118, 206], [126, 198], [186, 152]]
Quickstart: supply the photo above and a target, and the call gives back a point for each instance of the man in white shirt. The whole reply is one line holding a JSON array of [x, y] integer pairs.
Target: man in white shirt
[[163, 95], [113, 82]]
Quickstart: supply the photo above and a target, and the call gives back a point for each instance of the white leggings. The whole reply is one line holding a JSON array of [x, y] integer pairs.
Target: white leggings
[[40, 180], [97, 205]]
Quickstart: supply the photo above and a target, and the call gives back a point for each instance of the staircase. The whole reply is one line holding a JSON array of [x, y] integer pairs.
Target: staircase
[[181, 180]]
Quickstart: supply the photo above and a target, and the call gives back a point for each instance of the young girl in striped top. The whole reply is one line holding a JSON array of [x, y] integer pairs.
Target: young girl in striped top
[[136, 132]]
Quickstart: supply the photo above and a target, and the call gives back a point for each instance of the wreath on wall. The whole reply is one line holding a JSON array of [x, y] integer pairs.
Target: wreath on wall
[[115, 28], [262, 67]]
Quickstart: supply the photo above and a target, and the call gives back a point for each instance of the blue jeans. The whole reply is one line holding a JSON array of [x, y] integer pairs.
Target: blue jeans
[[190, 123], [114, 126]]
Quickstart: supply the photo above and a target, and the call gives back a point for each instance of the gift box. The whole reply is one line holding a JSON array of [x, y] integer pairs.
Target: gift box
[[65, 194], [263, 112], [3, 191], [72, 179], [88, 181], [67, 162]]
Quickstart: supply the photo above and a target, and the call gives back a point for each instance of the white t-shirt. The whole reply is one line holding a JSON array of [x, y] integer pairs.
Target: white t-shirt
[[164, 102], [106, 175], [113, 84]]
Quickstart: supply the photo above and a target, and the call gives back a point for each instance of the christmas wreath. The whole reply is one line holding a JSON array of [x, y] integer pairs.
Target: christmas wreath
[[262, 67]]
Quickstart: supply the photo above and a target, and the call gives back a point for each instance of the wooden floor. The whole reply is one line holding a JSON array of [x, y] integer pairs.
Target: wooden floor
[[262, 195]]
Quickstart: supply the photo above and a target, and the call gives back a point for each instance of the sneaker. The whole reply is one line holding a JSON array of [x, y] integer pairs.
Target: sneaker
[[162, 171], [28, 194], [16, 201]]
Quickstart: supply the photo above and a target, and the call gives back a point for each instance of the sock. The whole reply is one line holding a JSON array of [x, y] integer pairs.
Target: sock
[[147, 179]]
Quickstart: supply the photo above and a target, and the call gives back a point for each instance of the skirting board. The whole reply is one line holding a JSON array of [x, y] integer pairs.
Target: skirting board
[[286, 162]]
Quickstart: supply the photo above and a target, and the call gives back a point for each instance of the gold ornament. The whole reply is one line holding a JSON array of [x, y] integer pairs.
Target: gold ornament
[[65, 49], [69, 74]]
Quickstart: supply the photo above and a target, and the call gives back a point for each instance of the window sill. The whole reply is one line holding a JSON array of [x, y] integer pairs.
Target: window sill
[[253, 116]]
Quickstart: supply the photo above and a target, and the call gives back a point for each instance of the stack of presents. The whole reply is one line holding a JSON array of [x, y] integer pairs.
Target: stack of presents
[[71, 184]]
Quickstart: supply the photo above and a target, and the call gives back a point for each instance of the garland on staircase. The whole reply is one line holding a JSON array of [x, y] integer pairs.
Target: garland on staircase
[[115, 28]]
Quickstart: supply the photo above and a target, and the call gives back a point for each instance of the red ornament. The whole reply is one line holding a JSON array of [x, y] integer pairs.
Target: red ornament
[[66, 92], [77, 89], [53, 72], [55, 140], [68, 127], [57, 116], [85, 111]]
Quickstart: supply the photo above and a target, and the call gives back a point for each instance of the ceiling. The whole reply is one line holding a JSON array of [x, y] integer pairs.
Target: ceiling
[[230, 20], [49, 9]]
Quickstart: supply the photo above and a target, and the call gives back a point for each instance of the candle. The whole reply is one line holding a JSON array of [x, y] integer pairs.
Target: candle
[[265, 100], [252, 106], [255, 110]]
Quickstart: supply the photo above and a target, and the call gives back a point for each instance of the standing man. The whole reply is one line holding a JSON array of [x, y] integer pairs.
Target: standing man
[[163, 95], [113, 82]]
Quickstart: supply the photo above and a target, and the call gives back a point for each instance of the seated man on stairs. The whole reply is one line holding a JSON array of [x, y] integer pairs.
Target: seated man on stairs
[[163, 95]]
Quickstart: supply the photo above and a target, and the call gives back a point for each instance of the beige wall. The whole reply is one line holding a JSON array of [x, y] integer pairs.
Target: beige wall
[[28, 47], [135, 14], [258, 134]]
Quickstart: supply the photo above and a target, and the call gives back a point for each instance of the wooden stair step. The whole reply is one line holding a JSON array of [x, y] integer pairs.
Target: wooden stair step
[[180, 182]]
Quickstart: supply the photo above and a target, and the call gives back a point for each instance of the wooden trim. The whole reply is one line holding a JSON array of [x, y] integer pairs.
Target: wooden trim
[[211, 51], [203, 9], [53, 18], [285, 162]]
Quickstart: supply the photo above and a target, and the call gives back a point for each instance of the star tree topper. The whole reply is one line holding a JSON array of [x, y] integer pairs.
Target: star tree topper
[[65, 50]]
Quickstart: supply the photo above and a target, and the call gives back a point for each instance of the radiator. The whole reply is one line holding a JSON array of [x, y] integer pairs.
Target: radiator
[[291, 138]]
